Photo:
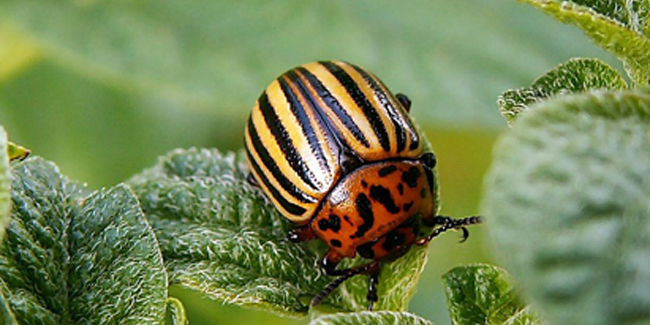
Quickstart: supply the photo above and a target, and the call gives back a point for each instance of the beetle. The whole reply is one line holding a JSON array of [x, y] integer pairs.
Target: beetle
[[338, 155]]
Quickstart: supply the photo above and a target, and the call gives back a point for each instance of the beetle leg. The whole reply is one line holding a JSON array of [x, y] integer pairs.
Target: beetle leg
[[405, 101], [251, 180], [301, 234], [447, 224], [329, 263], [372, 288]]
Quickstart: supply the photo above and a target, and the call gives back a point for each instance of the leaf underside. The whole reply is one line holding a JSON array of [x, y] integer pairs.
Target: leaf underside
[[619, 26], [483, 294], [574, 76], [567, 197], [74, 257]]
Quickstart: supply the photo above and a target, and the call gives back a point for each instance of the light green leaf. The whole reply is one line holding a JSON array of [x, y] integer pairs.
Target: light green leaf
[[5, 183], [219, 235], [68, 258], [397, 282], [176, 311], [483, 294], [371, 318], [574, 76], [568, 201], [618, 26]]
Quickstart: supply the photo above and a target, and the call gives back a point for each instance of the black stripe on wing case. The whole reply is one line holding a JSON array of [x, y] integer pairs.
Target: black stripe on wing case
[[301, 116], [272, 167], [285, 142], [335, 106], [395, 117], [288, 206], [360, 99]]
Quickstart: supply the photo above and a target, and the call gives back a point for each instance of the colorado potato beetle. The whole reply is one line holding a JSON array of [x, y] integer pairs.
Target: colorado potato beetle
[[338, 155]]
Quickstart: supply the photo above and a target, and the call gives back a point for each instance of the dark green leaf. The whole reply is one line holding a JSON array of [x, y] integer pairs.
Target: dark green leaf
[[567, 201], [68, 258], [619, 26], [371, 318], [574, 76], [219, 235], [483, 294]]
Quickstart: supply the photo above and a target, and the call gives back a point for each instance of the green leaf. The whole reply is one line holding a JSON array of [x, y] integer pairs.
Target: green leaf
[[567, 201], [7, 315], [219, 235], [483, 294], [68, 258], [574, 76], [619, 26], [372, 318], [176, 311], [5, 183]]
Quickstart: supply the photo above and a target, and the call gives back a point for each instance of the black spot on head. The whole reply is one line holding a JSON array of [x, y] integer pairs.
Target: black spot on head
[[364, 184], [383, 196], [400, 188], [385, 171], [365, 250], [393, 239], [364, 207], [411, 176], [423, 193], [407, 206], [347, 219], [335, 242], [334, 223]]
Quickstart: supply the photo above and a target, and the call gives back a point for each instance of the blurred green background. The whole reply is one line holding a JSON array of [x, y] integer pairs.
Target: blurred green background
[[104, 87]]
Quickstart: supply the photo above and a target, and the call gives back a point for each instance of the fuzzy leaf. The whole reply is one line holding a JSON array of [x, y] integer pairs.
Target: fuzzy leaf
[[68, 258], [219, 235], [574, 76], [619, 26], [5, 183], [176, 312], [483, 294], [371, 318], [568, 200]]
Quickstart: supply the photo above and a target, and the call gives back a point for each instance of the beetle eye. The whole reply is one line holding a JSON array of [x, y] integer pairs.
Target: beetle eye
[[429, 159]]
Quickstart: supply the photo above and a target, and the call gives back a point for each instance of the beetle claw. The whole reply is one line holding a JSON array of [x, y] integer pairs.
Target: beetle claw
[[465, 235]]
